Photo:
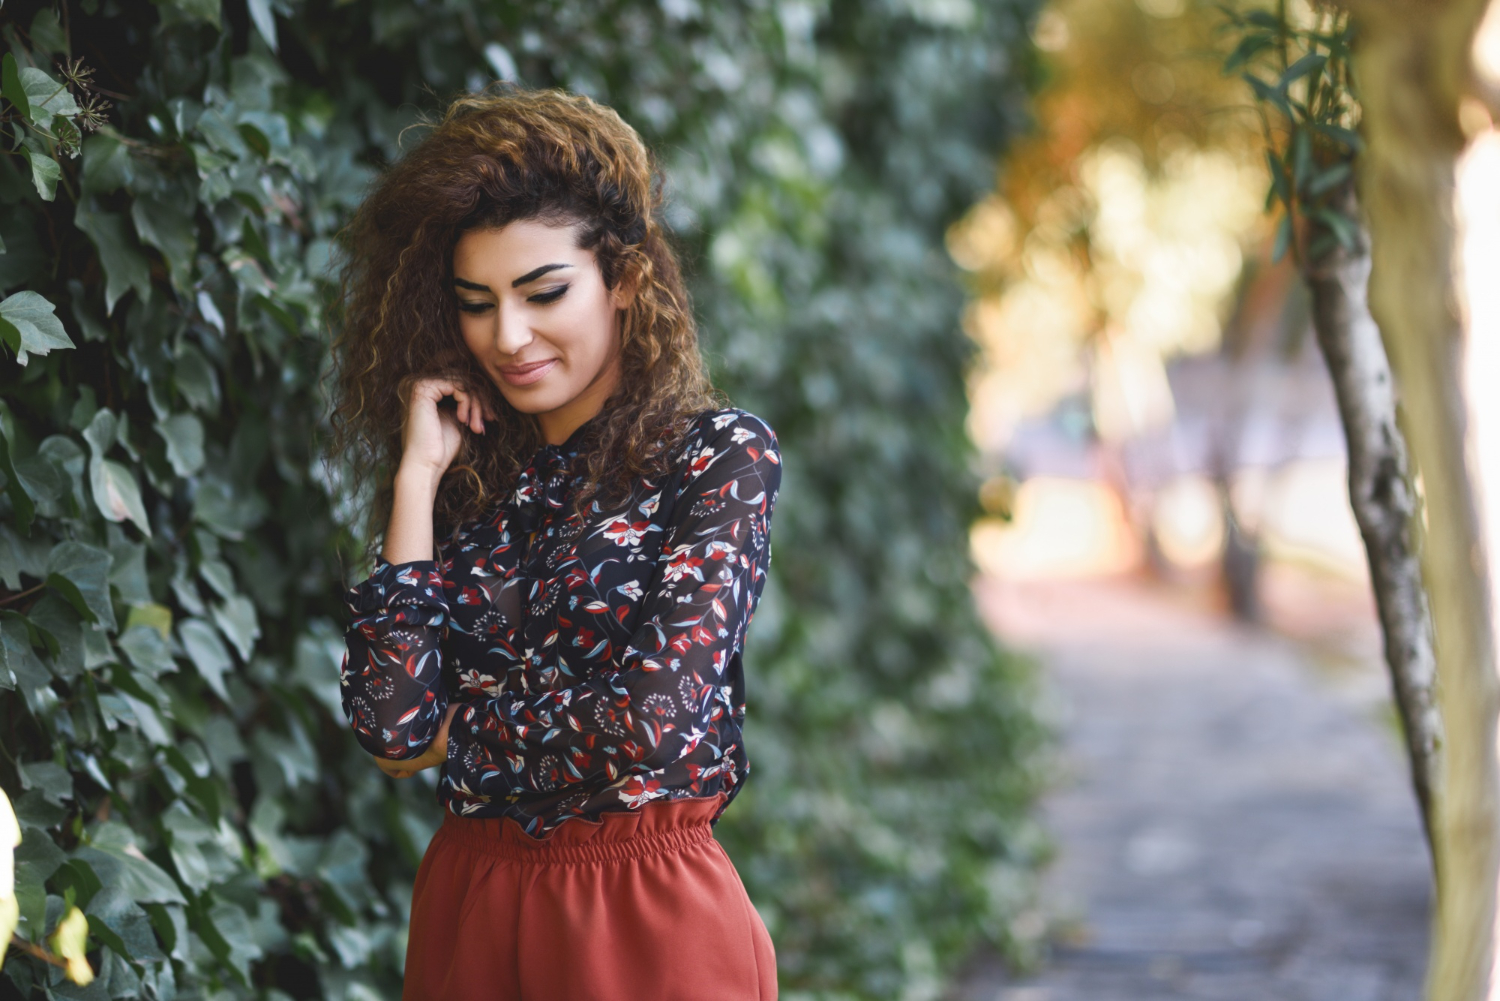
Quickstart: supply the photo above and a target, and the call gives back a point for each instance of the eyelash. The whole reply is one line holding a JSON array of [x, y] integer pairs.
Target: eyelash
[[541, 299]]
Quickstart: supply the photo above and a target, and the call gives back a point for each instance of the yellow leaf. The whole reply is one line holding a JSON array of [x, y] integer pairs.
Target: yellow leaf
[[10, 914], [10, 836], [70, 941]]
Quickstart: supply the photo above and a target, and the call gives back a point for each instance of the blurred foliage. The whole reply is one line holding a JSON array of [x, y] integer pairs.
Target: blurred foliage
[[1308, 112], [1116, 233], [173, 549]]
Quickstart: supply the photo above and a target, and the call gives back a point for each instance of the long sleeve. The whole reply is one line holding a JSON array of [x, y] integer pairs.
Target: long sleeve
[[680, 674], [391, 674]]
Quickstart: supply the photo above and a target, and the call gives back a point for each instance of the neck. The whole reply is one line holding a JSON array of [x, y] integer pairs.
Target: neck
[[557, 425]]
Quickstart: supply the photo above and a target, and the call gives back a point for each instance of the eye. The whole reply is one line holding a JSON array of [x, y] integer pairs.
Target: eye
[[549, 295], [474, 306]]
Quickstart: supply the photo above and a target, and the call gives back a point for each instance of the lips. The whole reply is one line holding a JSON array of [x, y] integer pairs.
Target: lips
[[524, 375]]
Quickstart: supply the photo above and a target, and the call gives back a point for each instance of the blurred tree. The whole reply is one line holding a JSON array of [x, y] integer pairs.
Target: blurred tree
[[172, 549], [1309, 110], [1416, 69]]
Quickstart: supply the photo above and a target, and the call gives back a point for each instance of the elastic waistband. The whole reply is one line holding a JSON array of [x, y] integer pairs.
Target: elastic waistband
[[617, 837]]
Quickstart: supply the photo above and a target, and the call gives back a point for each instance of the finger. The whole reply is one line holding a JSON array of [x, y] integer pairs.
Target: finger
[[461, 412]]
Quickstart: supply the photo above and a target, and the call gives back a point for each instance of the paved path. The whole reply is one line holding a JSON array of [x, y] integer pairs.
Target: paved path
[[1233, 821]]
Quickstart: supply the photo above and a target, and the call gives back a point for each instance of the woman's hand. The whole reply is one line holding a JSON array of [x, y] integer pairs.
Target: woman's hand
[[431, 435], [430, 438], [436, 753]]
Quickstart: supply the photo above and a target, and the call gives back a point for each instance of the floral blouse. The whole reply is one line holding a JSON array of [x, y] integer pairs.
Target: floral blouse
[[596, 658]]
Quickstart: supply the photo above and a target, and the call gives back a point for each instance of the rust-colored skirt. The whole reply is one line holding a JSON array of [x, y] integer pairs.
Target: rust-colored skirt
[[637, 905]]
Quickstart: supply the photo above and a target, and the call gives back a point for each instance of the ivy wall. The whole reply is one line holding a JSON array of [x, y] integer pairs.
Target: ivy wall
[[173, 548]]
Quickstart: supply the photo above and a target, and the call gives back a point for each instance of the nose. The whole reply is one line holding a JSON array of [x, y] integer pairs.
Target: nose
[[512, 332]]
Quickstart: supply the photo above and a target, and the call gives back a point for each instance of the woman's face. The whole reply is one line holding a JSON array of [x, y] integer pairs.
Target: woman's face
[[534, 311]]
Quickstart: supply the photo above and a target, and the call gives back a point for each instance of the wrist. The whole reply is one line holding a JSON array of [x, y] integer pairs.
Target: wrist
[[417, 480]]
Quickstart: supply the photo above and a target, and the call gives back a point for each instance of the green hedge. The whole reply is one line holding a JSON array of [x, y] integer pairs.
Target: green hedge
[[173, 548]]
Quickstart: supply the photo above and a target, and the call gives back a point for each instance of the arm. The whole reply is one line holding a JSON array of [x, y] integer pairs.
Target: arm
[[712, 568], [392, 661]]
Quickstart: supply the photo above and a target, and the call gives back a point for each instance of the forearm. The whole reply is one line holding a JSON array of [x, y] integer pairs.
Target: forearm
[[408, 535]]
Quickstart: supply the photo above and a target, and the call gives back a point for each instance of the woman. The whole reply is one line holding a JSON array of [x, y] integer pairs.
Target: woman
[[573, 550]]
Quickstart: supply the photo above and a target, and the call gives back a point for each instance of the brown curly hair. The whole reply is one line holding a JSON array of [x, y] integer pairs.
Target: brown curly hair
[[494, 158]]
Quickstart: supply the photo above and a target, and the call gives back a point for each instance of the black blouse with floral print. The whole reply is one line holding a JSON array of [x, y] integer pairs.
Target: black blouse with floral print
[[596, 658]]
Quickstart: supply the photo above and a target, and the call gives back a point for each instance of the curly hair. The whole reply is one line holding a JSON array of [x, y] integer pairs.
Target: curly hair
[[494, 158]]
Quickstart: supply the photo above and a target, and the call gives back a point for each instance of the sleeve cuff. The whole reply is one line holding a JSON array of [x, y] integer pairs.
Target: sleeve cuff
[[416, 583]]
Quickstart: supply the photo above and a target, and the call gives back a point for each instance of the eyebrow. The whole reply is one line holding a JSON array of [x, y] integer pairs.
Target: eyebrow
[[529, 276]]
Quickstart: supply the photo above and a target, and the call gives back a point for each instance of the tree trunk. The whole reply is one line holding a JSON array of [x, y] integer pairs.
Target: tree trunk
[[1412, 63], [1381, 495]]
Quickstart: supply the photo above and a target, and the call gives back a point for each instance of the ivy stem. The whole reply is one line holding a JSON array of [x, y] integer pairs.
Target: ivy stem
[[21, 594], [17, 942]]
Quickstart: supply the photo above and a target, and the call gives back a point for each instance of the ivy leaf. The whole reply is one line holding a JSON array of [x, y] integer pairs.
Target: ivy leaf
[[147, 650], [124, 266], [265, 21], [167, 225], [29, 324], [46, 96], [51, 779], [122, 924], [113, 854], [45, 171], [206, 651], [11, 88], [183, 434], [80, 573], [26, 671], [236, 619], [117, 494], [202, 10]]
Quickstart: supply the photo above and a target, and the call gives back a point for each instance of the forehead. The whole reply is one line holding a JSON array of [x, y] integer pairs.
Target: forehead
[[517, 248]]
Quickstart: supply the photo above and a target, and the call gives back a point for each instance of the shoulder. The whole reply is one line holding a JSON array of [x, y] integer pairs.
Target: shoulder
[[729, 427], [730, 442]]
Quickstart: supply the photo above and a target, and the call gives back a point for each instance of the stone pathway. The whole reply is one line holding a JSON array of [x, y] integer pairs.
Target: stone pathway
[[1234, 820]]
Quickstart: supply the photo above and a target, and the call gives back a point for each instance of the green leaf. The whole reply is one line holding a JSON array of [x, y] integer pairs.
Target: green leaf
[[206, 651], [50, 778], [1342, 135], [265, 21], [46, 96], [11, 88], [1281, 188], [1248, 48], [29, 324], [45, 172], [20, 498], [117, 494], [1302, 159], [167, 225], [236, 619], [1329, 179], [80, 572], [195, 379], [124, 266], [147, 650], [1269, 94], [1344, 229], [37, 858], [1283, 238], [106, 165], [26, 671], [157, 617], [122, 924], [183, 434], [1310, 63], [113, 853], [201, 10]]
